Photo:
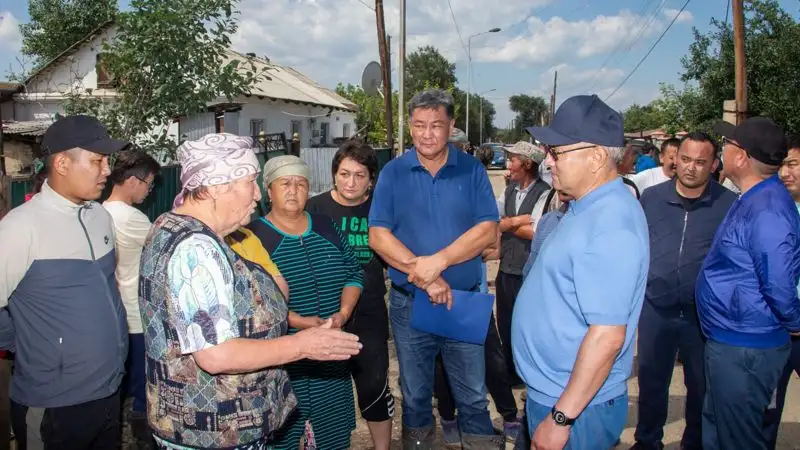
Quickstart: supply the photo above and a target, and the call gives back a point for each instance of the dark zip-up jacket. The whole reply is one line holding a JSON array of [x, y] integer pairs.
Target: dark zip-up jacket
[[64, 315], [680, 237]]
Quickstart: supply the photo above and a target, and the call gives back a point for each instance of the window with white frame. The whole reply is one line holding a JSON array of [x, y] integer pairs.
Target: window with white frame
[[346, 130], [296, 125]]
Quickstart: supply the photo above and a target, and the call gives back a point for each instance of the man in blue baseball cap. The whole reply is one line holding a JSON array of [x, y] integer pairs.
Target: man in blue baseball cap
[[576, 315]]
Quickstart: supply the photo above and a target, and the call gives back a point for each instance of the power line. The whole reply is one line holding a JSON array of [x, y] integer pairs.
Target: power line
[[627, 37], [652, 47], [727, 10], [458, 30], [365, 4]]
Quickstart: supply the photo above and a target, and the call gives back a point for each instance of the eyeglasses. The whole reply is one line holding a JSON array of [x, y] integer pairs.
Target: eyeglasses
[[149, 184], [555, 154], [733, 143]]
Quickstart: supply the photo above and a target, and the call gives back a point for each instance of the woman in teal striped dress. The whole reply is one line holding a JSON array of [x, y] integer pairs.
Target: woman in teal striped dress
[[325, 281]]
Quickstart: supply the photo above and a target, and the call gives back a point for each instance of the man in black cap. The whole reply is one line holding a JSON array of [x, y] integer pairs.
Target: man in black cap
[[576, 314], [746, 291], [62, 313]]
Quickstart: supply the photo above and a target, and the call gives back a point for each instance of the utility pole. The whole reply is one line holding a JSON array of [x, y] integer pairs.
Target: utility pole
[[383, 49], [401, 68], [553, 98], [738, 48]]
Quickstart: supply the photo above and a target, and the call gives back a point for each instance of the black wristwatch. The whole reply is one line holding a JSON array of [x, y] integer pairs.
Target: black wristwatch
[[560, 418]]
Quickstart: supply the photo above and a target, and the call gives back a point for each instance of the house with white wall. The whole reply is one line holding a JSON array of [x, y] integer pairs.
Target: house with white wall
[[283, 101]]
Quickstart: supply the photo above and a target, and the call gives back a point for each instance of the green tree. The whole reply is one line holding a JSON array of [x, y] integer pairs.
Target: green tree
[[371, 117], [460, 98], [642, 117], [531, 110], [170, 59], [772, 51], [683, 109], [426, 67], [57, 24]]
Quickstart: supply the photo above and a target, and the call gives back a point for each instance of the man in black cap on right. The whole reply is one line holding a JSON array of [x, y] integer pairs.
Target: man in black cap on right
[[746, 294], [62, 314]]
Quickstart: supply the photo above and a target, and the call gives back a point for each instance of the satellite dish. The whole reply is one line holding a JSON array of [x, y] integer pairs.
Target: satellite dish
[[371, 79]]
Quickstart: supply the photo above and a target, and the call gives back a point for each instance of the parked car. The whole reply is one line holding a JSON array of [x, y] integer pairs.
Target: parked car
[[499, 159]]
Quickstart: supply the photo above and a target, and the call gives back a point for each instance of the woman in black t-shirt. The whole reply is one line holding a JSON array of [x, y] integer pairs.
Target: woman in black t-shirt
[[355, 167]]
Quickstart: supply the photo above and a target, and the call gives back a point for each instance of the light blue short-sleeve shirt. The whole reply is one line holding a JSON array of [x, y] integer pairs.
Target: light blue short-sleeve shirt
[[592, 270]]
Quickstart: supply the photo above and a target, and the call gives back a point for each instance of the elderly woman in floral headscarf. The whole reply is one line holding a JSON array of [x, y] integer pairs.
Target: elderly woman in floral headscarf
[[215, 324]]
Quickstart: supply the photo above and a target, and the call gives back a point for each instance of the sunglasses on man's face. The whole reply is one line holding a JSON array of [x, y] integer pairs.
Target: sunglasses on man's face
[[554, 152]]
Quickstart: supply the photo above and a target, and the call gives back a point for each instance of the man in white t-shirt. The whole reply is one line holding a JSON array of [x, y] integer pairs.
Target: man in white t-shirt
[[132, 180], [664, 172]]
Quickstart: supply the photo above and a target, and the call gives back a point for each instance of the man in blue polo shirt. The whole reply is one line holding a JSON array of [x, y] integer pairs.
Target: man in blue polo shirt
[[577, 312], [432, 215]]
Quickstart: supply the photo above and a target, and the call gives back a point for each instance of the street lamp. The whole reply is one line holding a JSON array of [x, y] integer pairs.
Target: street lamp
[[469, 69], [481, 112]]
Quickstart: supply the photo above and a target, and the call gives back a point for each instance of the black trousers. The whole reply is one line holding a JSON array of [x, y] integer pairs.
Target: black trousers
[[662, 336], [497, 381], [93, 425], [508, 287]]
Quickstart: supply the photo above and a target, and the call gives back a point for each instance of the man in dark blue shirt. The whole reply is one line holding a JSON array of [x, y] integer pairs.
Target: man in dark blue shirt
[[682, 214], [746, 291], [432, 215]]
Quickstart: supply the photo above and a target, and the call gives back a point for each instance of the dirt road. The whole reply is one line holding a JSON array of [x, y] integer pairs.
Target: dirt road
[[789, 438]]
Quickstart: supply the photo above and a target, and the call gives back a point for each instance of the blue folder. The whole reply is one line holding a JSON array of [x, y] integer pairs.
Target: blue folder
[[467, 321]]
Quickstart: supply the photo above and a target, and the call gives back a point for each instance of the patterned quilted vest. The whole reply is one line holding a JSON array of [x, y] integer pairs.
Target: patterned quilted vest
[[186, 405]]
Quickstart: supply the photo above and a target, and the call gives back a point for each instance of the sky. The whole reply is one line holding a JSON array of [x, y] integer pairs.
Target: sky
[[592, 44]]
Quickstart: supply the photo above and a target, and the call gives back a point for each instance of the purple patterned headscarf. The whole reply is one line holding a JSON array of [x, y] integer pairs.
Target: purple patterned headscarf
[[215, 159]]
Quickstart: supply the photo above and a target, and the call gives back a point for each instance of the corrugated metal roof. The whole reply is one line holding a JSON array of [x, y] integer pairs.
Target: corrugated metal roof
[[289, 84], [26, 128]]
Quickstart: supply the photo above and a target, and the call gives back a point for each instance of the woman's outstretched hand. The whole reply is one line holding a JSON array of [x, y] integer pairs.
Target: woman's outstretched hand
[[325, 343]]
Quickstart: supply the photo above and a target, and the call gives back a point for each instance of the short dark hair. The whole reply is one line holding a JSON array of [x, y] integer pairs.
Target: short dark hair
[[794, 142], [433, 99], [133, 163], [700, 136], [358, 151], [50, 160], [674, 142]]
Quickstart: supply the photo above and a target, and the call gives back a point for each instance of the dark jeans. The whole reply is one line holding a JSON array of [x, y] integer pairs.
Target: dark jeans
[[497, 381], [136, 379], [772, 420], [5, 403], [416, 355], [508, 287], [740, 383], [662, 336], [92, 425]]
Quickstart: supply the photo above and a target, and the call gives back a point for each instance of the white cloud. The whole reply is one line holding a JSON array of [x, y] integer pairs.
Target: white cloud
[[685, 16], [10, 37], [559, 39], [575, 81], [332, 40]]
